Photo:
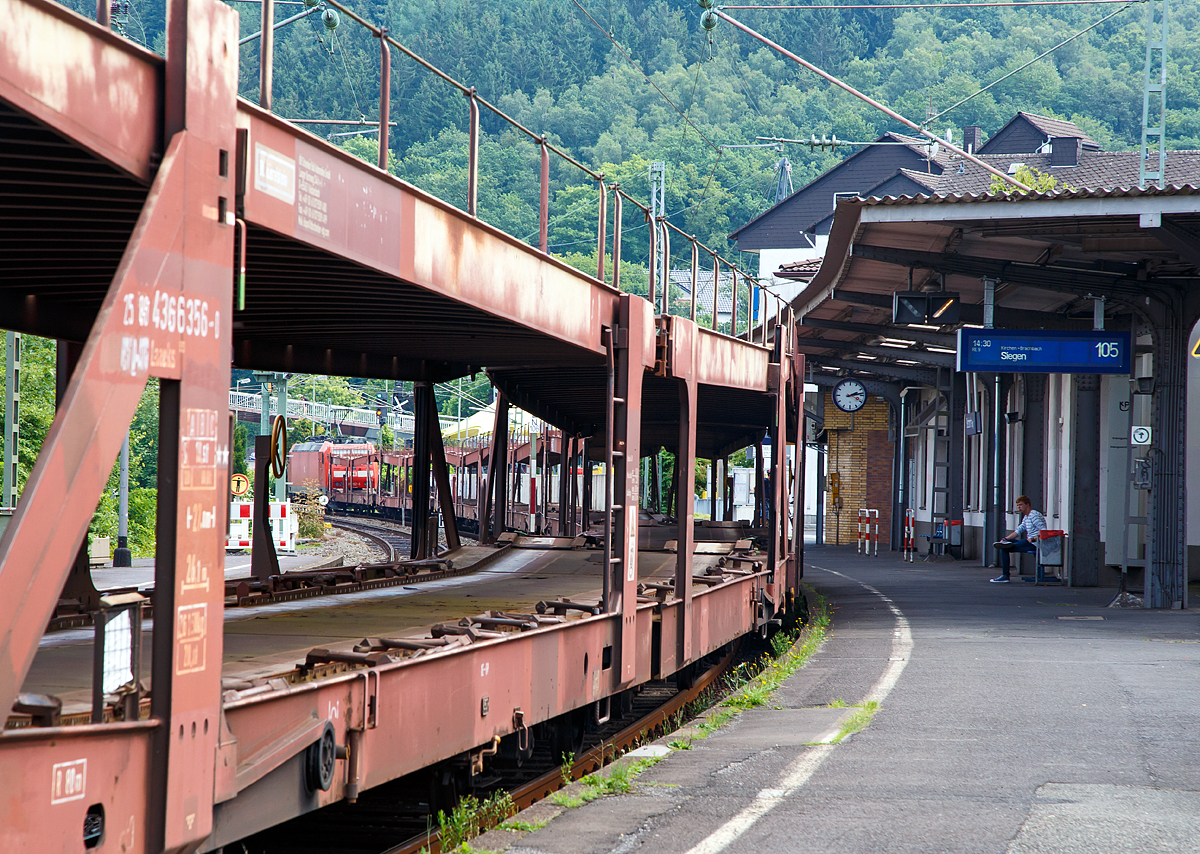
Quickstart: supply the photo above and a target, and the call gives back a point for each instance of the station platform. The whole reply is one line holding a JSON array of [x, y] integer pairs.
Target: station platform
[[1011, 718], [237, 566], [265, 640]]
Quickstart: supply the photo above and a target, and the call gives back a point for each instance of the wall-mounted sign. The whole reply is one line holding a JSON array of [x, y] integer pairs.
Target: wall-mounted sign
[[1139, 436], [1042, 352]]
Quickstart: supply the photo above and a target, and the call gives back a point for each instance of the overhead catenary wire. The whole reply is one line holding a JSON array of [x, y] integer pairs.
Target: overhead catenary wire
[[687, 111], [137, 19], [365, 122], [560, 218], [1040, 56], [624, 231], [341, 51], [744, 85], [726, 189], [638, 69], [888, 111], [712, 172], [538, 138], [278, 24], [464, 89]]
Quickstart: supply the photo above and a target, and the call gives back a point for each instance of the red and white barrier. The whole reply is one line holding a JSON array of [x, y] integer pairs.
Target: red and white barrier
[[285, 526], [910, 535], [868, 531], [239, 536]]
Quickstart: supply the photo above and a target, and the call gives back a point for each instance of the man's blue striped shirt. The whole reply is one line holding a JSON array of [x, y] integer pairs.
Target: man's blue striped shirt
[[1031, 525]]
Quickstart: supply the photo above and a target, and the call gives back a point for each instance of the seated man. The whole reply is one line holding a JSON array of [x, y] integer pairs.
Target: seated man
[[1024, 539]]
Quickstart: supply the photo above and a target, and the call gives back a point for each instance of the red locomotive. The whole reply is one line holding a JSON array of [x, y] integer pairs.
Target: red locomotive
[[345, 468]]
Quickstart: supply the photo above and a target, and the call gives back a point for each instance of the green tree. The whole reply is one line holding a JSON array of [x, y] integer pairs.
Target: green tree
[[1039, 181], [241, 435]]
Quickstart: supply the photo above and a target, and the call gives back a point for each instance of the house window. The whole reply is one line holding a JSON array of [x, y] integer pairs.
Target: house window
[[841, 197]]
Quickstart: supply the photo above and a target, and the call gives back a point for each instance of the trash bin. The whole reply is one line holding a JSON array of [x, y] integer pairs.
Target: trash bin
[[1050, 548]]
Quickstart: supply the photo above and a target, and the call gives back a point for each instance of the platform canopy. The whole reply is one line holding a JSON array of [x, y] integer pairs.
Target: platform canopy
[[1047, 254]]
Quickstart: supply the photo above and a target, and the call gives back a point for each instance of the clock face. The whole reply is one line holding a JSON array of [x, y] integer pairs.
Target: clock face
[[849, 395]]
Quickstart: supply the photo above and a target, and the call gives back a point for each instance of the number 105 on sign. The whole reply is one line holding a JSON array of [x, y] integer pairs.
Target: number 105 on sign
[[1044, 351]]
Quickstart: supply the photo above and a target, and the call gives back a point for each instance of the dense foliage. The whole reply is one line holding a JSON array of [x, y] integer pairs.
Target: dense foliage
[[581, 83], [557, 72]]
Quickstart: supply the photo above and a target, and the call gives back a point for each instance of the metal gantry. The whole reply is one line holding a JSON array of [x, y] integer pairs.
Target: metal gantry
[[1153, 167]]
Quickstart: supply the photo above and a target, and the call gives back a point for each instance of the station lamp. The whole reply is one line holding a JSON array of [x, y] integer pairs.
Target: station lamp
[[934, 308]]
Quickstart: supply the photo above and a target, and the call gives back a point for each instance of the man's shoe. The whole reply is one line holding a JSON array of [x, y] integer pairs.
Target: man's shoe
[[1000, 579]]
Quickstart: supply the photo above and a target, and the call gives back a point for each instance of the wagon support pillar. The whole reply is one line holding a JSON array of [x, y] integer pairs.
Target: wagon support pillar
[[634, 339]]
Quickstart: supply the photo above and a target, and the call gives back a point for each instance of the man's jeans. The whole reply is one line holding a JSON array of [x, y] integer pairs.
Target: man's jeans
[[1018, 546]]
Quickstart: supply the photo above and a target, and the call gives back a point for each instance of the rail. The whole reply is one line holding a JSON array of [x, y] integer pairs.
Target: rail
[[595, 758], [374, 533]]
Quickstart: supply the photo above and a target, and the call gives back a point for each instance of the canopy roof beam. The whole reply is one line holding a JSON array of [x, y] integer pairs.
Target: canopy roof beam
[[920, 336], [1051, 277], [881, 369], [941, 360]]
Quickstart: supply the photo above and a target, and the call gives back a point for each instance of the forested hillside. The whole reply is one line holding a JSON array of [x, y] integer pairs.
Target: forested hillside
[[558, 72], [583, 81]]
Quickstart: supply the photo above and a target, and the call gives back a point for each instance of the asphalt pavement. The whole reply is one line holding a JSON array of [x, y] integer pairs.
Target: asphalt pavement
[[1012, 718]]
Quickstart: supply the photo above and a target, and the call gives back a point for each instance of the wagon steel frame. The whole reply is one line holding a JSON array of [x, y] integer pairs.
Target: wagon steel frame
[[206, 769]]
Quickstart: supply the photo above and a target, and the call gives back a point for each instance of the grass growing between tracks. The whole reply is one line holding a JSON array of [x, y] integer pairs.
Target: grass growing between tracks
[[471, 816], [753, 682], [750, 685], [524, 826], [616, 779]]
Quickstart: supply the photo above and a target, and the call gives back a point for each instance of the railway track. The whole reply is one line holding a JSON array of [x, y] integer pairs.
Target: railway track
[[395, 569], [395, 543], [407, 808]]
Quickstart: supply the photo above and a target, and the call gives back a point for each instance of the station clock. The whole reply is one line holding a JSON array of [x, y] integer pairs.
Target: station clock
[[849, 395]]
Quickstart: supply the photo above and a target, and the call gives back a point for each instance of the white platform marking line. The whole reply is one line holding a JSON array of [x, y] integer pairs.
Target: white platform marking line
[[805, 765]]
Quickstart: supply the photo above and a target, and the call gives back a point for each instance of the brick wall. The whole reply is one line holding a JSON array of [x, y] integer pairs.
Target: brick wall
[[860, 452]]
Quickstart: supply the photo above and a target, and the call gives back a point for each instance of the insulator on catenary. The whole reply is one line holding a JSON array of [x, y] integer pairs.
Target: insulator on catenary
[[330, 19]]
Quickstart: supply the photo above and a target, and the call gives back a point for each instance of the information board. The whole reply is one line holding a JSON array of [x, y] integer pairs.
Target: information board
[[1043, 352]]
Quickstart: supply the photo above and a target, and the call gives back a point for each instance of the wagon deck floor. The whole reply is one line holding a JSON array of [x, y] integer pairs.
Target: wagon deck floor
[[273, 638]]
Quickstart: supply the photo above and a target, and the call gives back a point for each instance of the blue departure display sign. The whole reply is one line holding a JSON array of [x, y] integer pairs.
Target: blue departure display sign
[[1042, 352]]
